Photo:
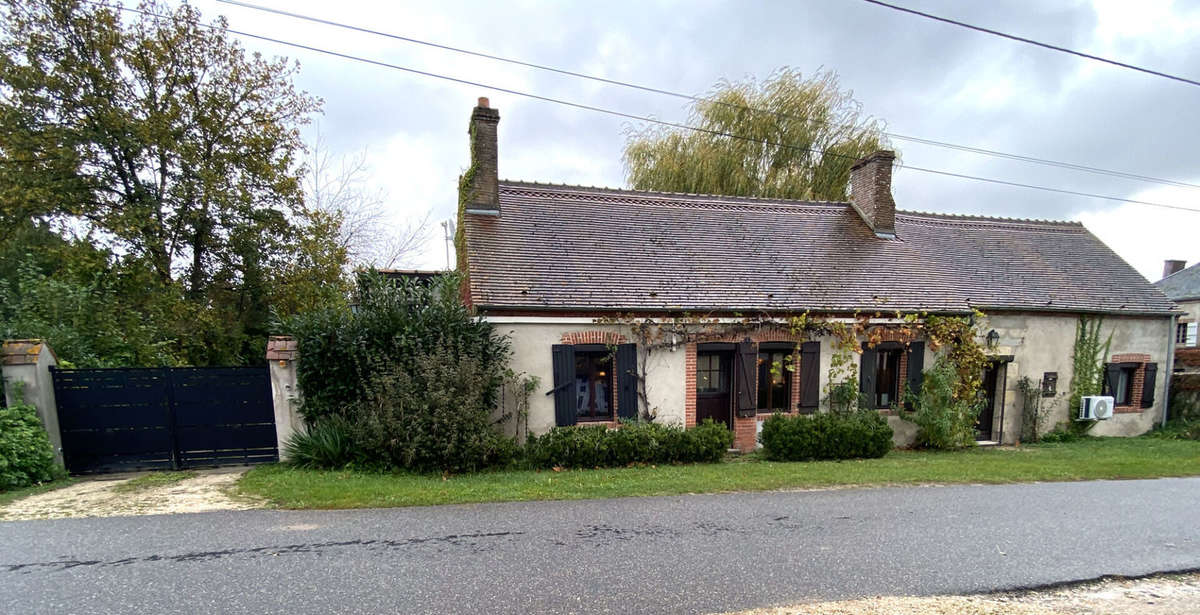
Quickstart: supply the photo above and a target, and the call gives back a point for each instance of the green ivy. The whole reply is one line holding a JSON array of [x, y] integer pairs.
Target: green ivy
[[1087, 366]]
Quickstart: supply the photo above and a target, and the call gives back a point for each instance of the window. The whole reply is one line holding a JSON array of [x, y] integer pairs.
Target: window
[[710, 375], [1118, 382], [593, 386], [1185, 334], [774, 379], [887, 378]]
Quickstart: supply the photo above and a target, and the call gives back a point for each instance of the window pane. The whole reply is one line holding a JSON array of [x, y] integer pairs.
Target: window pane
[[1121, 395], [593, 385], [774, 381], [887, 378]]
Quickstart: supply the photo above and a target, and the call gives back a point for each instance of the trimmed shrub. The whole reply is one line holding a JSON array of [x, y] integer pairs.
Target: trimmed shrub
[[26, 457], [327, 444], [1177, 429], [593, 446], [826, 435]]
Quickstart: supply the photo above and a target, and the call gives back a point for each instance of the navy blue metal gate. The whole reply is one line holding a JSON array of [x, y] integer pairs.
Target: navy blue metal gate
[[164, 418]]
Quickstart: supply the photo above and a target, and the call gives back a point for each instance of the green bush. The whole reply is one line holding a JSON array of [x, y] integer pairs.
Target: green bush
[[826, 435], [327, 444], [1062, 436], [397, 323], [436, 416], [593, 446], [26, 456], [943, 420]]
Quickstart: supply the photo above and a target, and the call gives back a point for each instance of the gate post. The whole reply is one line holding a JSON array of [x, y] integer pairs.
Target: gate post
[[282, 353], [26, 366]]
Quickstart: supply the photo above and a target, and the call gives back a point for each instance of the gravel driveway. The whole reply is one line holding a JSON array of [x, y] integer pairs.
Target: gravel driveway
[[95, 497]]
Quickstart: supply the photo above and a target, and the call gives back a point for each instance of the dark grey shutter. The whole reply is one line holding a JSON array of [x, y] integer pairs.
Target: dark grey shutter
[[564, 384], [916, 367], [627, 381], [1148, 383], [1112, 373], [866, 376], [810, 375], [745, 367]]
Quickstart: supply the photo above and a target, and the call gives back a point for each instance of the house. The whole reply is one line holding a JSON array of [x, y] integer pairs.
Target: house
[[1182, 285], [691, 306]]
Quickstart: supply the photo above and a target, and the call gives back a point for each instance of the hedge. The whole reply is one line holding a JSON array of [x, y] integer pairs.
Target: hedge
[[596, 446], [827, 435]]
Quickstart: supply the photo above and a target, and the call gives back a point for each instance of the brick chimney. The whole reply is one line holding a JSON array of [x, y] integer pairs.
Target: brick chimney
[[483, 193], [1170, 267], [871, 192]]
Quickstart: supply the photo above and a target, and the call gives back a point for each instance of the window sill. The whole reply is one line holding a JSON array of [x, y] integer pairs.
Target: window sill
[[1128, 410], [609, 423]]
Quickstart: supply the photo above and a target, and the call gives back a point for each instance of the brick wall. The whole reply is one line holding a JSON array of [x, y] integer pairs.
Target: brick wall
[[1139, 380]]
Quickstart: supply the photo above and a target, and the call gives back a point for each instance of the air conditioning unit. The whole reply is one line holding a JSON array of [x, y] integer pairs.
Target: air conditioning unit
[[1095, 408]]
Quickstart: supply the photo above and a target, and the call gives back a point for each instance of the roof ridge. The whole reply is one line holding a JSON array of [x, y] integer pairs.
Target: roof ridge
[[756, 200], [668, 194]]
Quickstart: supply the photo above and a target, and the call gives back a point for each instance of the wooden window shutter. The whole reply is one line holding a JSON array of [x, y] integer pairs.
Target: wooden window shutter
[[627, 381], [745, 367], [810, 375], [1112, 372], [866, 375], [1148, 383], [565, 395], [916, 367]]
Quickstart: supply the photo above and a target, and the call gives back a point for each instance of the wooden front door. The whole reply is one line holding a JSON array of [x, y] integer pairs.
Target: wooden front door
[[987, 415], [713, 386]]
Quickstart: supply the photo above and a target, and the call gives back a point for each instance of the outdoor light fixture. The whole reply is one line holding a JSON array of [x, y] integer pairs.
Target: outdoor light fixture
[[992, 338]]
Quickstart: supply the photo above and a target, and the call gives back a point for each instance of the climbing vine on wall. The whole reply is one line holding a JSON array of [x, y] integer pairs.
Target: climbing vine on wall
[[959, 335], [1087, 367]]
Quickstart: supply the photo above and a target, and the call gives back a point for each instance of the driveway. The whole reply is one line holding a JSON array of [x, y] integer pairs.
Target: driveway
[[103, 496], [690, 554]]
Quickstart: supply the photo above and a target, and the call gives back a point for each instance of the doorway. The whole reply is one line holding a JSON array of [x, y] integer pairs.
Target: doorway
[[713, 386], [993, 379]]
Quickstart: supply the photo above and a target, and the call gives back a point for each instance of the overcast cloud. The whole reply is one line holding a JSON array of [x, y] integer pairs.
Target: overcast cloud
[[924, 78]]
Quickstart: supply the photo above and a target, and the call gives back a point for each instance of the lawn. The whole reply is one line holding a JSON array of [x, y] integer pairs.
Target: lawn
[[1112, 458]]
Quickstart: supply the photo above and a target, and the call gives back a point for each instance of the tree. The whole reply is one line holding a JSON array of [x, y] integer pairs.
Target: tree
[[338, 190], [167, 145], [799, 140]]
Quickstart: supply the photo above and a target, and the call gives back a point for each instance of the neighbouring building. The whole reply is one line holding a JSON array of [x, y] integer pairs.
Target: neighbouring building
[[1181, 284], [685, 306]]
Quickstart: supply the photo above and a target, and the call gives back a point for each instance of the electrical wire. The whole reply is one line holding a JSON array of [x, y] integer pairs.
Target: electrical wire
[[702, 99], [1030, 41], [641, 118]]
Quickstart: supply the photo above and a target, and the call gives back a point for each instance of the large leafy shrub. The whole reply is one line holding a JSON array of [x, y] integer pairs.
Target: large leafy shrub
[[395, 326], [944, 421], [826, 435], [592, 446], [434, 416], [26, 457]]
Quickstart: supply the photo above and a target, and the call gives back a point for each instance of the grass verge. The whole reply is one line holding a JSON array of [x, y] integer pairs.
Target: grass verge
[[8, 497], [1099, 458], [152, 480]]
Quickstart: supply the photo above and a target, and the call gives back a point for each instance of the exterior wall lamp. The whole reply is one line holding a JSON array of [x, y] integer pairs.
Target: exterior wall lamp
[[992, 338]]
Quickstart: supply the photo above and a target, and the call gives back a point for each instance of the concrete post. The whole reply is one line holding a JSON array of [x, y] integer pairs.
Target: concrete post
[[282, 353], [26, 370]]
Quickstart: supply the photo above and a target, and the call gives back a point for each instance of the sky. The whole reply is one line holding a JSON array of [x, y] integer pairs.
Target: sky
[[923, 78]]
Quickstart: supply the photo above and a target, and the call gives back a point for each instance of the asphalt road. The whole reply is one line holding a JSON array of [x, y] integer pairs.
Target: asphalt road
[[683, 554]]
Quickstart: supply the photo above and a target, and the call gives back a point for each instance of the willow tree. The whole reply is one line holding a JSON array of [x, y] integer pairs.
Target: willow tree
[[796, 138]]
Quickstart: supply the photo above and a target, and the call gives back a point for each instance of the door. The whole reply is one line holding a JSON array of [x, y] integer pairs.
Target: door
[[713, 386], [987, 415]]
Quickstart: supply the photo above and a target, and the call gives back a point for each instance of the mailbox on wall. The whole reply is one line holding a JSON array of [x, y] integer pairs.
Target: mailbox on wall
[[1049, 384]]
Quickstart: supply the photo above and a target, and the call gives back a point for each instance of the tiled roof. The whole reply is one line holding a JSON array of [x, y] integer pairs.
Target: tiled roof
[[1182, 285], [576, 248]]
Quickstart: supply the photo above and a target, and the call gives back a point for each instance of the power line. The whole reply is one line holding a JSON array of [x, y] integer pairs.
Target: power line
[[641, 118], [680, 95], [1030, 41]]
